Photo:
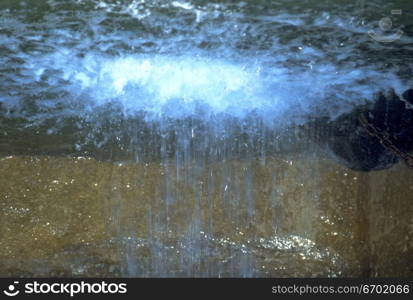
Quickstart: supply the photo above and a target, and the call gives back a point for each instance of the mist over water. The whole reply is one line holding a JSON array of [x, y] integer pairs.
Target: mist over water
[[198, 94]]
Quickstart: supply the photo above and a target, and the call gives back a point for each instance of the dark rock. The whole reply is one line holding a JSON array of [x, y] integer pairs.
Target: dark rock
[[353, 145]]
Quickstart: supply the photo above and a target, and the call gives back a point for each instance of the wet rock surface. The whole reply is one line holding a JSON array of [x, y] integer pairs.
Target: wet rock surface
[[282, 218]]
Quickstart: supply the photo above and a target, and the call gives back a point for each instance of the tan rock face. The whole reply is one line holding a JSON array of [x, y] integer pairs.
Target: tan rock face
[[278, 217]]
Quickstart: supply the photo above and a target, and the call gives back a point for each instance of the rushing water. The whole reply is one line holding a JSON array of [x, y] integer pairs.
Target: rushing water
[[182, 116]]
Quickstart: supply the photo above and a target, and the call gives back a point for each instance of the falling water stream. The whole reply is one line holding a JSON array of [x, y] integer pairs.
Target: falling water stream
[[159, 139]]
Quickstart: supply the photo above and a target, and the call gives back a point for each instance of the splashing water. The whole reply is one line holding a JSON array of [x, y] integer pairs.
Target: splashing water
[[208, 84], [153, 56]]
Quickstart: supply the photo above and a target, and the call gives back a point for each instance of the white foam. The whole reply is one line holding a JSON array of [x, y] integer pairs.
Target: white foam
[[152, 83], [177, 85]]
